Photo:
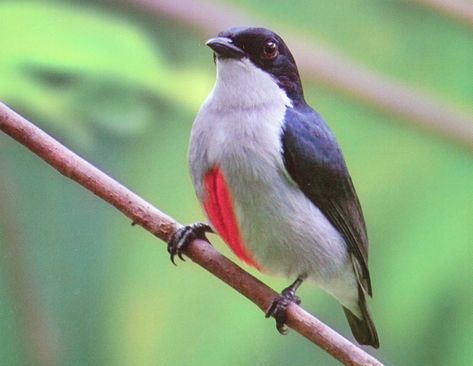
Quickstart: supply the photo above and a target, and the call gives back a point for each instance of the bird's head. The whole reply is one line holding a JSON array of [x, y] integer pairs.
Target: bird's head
[[247, 56]]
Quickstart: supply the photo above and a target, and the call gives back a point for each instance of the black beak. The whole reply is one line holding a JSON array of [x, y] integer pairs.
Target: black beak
[[224, 47]]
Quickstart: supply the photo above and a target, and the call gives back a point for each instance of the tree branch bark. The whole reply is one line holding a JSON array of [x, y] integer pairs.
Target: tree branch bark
[[38, 332], [150, 218], [459, 10]]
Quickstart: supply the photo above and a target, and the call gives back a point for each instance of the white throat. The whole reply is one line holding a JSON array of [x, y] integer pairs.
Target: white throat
[[242, 85]]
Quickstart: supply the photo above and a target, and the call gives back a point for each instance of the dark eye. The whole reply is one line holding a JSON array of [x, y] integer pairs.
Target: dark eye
[[270, 50]]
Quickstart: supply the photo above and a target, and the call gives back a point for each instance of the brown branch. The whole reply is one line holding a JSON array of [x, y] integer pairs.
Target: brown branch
[[325, 66], [40, 338], [162, 226], [460, 10]]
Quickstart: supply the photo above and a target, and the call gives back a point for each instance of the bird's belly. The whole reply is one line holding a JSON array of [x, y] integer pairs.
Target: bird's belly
[[257, 209], [280, 230], [287, 235]]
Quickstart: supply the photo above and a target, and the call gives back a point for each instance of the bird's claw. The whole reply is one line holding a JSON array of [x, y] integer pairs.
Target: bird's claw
[[184, 236], [279, 307]]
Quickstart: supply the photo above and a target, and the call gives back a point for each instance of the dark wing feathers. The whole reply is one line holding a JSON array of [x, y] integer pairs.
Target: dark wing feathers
[[314, 161]]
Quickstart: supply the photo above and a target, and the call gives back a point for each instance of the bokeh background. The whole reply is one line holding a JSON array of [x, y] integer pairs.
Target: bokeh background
[[119, 82]]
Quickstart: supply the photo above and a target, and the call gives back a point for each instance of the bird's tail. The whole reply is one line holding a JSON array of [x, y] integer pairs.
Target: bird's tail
[[363, 329]]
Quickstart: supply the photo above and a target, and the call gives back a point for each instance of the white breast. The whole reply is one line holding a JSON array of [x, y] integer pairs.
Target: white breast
[[242, 117], [239, 129]]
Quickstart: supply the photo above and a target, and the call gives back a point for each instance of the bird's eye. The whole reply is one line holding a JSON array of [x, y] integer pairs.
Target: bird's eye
[[270, 50]]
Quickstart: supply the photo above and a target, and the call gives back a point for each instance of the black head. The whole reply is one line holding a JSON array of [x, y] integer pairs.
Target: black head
[[266, 50]]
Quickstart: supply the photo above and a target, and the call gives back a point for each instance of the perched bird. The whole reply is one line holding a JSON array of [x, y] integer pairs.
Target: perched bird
[[272, 180]]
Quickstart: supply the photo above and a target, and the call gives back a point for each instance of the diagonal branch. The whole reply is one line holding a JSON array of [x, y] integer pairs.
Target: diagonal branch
[[150, 218], [459, 10]]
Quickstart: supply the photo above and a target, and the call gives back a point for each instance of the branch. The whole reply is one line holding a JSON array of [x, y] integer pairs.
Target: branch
[[39, 336], [150, 218], [459, 10], [323, 65]]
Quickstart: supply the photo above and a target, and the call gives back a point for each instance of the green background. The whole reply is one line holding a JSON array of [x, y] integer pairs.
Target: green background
[[80, 286]]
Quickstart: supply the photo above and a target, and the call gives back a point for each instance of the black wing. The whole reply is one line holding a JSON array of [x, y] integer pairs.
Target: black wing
[[314, 161]]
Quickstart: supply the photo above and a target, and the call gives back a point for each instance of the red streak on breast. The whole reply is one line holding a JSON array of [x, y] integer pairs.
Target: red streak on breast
[[219, 207]]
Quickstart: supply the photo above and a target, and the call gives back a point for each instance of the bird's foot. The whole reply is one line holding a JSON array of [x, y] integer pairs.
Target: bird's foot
[[279, 306], [184, 236]]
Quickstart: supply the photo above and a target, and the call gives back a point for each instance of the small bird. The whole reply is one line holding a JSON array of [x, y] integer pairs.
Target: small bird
[[272, 180]]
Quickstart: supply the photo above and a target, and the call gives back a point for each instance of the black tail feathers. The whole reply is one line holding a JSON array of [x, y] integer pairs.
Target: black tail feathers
[[363, 329]]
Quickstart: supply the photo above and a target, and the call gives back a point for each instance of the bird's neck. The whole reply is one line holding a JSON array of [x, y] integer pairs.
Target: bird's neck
[[242, 85]]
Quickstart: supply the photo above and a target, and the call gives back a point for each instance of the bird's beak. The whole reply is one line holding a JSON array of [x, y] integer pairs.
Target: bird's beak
[[224, 47]]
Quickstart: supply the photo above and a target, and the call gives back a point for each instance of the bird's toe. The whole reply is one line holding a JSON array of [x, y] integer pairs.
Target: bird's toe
[[184, 236]]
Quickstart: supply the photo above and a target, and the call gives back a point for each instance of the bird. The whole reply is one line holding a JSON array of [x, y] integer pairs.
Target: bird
[[272, 181]]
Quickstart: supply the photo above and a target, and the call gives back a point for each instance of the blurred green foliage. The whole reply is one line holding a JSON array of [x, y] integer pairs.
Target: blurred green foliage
[[121, 89]]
